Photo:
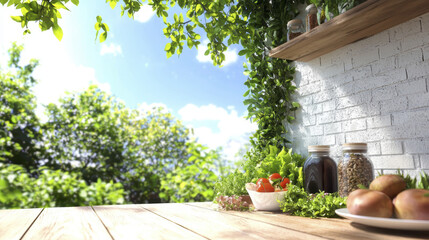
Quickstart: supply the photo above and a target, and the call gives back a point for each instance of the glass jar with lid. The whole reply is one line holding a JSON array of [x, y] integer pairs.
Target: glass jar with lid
[[294, 29], [354, 168], [320, 171], [311, 19]]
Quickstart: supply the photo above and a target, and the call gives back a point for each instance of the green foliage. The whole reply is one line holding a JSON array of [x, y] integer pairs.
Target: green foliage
[[45, 12], [20, 130], [195, 180], [53, 188], [335, 7], [100, 25], [285, 163], [232, 184], [94, 150], [94, 134], [298, 202], [262, 164], [412, 183]]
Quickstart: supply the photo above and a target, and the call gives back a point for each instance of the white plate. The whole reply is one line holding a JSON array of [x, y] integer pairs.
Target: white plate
[[393, 223]]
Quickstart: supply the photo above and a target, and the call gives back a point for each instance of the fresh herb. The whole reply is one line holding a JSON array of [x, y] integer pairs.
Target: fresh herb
[[299, 203], [413, 182], [232, 184], [235, 203]]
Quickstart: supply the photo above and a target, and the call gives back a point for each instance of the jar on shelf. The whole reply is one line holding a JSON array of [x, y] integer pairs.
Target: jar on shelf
[[294, 29], [354, 168], [311, 19], [320, 171]]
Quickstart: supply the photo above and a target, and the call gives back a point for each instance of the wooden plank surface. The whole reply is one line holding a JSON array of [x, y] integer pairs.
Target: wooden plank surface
[[67, 223], [133, 222], [364, 20], [334, 228], [15, 222], [218, 225]]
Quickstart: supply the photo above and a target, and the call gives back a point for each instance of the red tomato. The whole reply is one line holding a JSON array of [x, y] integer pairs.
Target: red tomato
[[262, 180], [275, 176], [264, 187], [284, 182]]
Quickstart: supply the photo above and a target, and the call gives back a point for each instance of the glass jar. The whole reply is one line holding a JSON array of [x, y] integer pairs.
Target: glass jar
[[320, 171], [311, 19], [354, 168], [294, 29]]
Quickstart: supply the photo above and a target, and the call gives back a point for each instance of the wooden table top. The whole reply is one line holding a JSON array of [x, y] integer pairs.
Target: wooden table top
[[179, 221]]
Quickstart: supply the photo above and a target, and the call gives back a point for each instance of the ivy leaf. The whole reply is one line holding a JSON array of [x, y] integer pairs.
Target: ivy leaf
[[58, 32], [112, 4], [59, 5], [242, 52], [167, 46], [16, 18], [103, 37], [295, 104]]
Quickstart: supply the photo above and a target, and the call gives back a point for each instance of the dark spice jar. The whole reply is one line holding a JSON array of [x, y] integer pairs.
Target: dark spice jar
[[294, 29], [311, 21], [320, 171]]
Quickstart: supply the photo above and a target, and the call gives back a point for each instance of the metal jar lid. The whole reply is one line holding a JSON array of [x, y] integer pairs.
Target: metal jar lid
[[355, 146], [311, 9], [318, 148]]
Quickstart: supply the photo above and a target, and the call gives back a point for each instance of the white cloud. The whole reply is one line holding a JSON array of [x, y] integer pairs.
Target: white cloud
[[232, 131], [231, 55], [145, 107], [57, 72], [144, 14], [112, 48]]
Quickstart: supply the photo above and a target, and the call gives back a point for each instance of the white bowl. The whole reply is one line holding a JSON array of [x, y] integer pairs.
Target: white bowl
[[266, 201]]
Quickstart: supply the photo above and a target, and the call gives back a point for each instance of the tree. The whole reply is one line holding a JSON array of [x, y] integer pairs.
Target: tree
[[92, 133], [23, 183], [20, 129]]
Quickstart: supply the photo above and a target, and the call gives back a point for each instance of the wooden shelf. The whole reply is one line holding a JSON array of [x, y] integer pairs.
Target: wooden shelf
[[364, 20]]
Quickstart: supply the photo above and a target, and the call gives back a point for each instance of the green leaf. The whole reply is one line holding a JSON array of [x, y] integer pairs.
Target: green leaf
[[58, 32], [167, 47], [242, 52], [75, 2], [3, 2], [112, 4], [16, 18], [99, 19], [59, 5], [103, 37], [295, 104]]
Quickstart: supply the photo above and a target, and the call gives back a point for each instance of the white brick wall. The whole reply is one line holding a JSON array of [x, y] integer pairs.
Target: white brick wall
[[375, 91]]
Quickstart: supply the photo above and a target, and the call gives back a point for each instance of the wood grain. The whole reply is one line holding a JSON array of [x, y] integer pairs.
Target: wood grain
[[68, 223], [133, 222], [334, 228], [364, 20], [14, 222], [218, 225]]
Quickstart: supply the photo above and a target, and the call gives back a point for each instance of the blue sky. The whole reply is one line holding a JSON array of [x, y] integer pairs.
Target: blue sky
[[133, 66]]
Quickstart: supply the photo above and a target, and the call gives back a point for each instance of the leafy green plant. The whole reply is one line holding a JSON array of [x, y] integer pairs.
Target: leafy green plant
[[285, 163], [298, 202], [53, 189], [20, 129], [423, 183], [93, 149], [196, 179]]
